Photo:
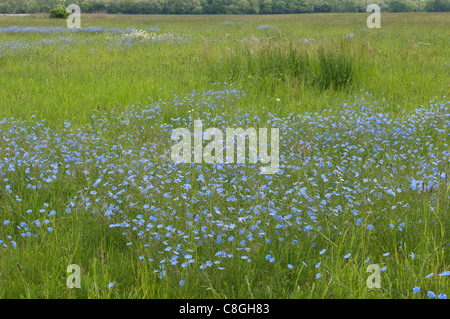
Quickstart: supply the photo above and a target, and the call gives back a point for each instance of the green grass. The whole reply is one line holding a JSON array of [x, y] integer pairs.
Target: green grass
[[392, 63], [403, 65]]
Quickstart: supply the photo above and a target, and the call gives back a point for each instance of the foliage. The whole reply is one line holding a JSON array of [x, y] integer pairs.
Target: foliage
[[222, 6], [86, 117], [59, 12]]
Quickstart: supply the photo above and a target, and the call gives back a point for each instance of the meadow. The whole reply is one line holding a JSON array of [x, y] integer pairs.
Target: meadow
[[86, 176]]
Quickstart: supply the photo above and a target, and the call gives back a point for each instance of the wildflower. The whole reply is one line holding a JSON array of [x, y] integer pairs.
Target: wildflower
[[350, 36]]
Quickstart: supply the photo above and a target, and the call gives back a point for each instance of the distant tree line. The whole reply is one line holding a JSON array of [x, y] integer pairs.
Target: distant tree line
[[224, 6]]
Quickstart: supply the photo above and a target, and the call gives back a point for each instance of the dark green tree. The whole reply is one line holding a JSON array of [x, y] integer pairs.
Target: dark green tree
[[438, 6]]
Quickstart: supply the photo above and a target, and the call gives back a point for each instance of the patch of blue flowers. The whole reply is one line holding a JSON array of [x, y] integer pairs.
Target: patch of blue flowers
[[353, 161]]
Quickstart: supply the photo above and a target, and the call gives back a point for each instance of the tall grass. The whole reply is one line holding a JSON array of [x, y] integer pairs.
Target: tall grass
[[323, 68], [336, 70]]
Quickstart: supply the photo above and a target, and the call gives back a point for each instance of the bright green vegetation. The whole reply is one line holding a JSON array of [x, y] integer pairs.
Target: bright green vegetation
[[302, 63], [405, 62]]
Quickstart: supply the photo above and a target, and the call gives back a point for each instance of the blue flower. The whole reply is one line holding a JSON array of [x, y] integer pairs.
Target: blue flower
[[416, 290]]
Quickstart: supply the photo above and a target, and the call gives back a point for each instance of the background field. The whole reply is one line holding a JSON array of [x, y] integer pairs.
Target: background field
[[302, 64], [405, 62]]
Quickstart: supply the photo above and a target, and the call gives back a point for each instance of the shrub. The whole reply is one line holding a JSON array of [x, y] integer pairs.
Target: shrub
[[59, 11], [325, 70]]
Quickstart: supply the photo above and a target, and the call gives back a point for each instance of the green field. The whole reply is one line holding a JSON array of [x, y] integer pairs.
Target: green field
[[85, 121]]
